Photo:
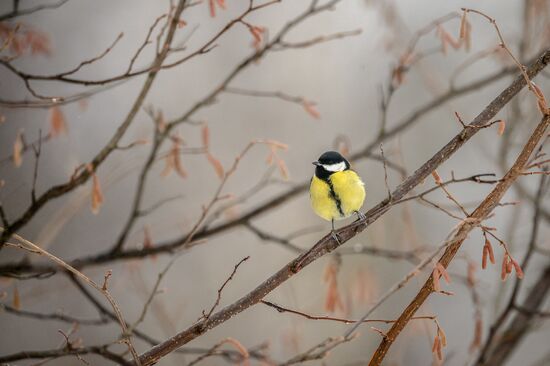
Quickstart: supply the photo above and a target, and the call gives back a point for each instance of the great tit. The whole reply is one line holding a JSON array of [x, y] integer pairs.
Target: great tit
[[336, 191]]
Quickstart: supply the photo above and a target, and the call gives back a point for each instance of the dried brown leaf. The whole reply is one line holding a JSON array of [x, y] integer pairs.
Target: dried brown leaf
[[501, 127], [276, 144], [333, 300], [218, 167], [212, 8], [270, 157], [542, 107], [490, 250], [542, 104], [310, 109], [435, 280], [58, 123], [463, 25], [331, 297], [436, 344], [484, 257], [517, 268], [97, 195], [436, 177], [173, 161], [178, 166], [503, 270], [18, 149], [450, 40], [205, 135], [256, 33], [16, 302], [38, 42], [509, 265], [330, 271], [282, 168], [240, 348], [342, 144], [443, 272], [439, 352], [442, 336]]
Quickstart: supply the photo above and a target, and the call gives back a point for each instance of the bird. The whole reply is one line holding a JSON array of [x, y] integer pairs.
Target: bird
[[336, 191]]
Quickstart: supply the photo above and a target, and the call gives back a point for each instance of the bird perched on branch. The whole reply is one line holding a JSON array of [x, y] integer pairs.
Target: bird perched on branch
[[336, 191]]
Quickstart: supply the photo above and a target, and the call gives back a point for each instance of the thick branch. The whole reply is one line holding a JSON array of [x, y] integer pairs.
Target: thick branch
[[480, 213], [501, 320], [328, 244]]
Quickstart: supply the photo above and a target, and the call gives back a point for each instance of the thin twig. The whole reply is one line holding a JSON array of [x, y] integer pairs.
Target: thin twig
[[281, 309], [218, 298]]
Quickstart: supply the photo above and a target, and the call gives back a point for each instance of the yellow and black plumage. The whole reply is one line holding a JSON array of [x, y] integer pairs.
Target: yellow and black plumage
[[336, 191]]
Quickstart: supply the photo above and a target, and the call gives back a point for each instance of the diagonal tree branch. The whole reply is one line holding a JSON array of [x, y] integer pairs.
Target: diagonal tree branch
[[327, 244], [277, 201], [487, 350], [473, 221]]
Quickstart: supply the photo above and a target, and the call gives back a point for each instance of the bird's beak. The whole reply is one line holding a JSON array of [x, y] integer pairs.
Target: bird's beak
[[316, 163]]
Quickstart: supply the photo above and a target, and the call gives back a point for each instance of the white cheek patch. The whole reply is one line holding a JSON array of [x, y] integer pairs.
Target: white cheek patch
[[335, 167]]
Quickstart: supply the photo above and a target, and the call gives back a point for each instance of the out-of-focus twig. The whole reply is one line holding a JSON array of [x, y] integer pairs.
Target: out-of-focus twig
[[16, 12]]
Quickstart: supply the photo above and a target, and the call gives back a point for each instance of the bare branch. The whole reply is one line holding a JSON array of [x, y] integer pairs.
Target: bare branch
[[328, 244], [481, 212], [53, 316], [281, 309], [217, 302]]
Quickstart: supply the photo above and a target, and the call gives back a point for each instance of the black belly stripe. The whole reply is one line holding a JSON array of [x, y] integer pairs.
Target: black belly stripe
[[335, 197]]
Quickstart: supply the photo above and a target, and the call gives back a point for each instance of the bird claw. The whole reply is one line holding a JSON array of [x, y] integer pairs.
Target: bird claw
[[335, 237], [360, 216]]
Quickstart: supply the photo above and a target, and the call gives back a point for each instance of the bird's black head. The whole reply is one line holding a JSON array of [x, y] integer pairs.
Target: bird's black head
[[329, 163]]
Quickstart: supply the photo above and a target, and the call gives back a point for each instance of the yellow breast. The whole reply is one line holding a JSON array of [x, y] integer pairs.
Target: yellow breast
[[338, 198]]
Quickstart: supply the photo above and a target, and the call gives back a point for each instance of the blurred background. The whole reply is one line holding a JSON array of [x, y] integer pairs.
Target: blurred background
[[347, 79]]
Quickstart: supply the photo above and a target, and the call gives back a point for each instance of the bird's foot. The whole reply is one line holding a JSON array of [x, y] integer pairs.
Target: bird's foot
[[360, 216], [335, 237]]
